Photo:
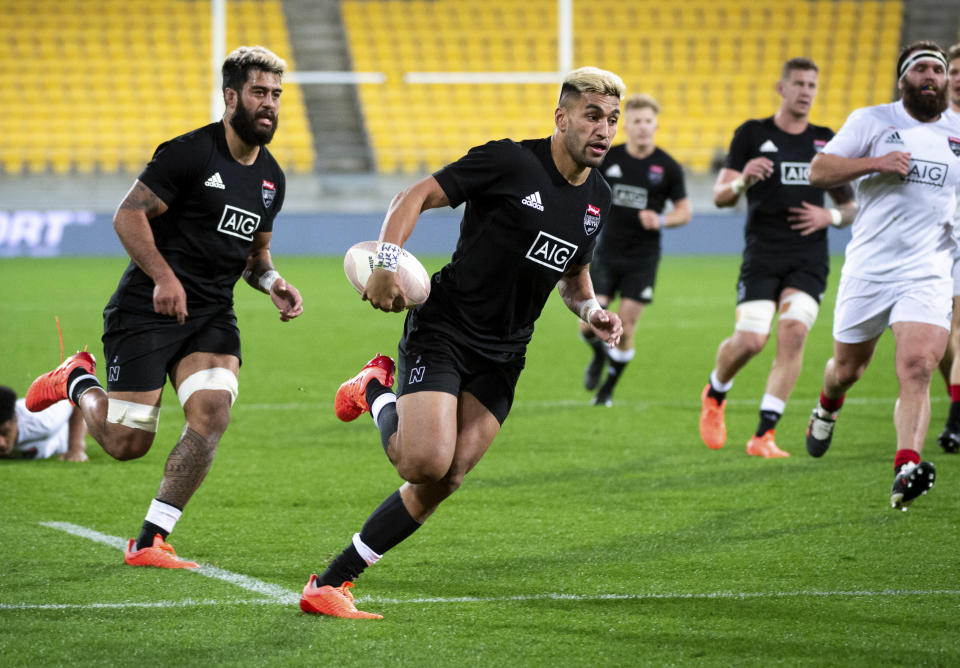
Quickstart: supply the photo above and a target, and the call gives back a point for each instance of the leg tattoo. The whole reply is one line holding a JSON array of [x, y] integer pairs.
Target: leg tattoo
[[186, 467]]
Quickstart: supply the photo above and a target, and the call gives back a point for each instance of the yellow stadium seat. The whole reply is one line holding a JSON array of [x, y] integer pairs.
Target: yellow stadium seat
[[132, 73]]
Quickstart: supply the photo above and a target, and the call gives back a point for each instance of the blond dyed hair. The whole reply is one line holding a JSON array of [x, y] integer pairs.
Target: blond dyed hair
[[591, 80], [237, 66], [642, 101]]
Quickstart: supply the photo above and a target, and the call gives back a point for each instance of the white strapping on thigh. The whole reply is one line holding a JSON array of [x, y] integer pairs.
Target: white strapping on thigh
[[800, 306], [755, 316], [216, 378], [135, 416]]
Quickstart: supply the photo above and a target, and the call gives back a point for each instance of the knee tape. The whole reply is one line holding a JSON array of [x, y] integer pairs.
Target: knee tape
[[135, 416], [755, 316], [216, 378], [800, 306]]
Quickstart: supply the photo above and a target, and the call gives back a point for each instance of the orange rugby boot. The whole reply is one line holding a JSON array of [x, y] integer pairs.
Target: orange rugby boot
[[333, 601], [763, 446], [160, 555], [51, 387], [713, 429], [351, 401]]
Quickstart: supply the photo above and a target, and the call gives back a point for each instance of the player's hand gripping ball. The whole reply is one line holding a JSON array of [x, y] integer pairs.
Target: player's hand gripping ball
[[413, 279]]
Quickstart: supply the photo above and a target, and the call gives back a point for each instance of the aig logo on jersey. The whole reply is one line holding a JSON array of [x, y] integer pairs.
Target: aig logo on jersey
[[927, 172], [795, 173], [551, 252], [238, 223]]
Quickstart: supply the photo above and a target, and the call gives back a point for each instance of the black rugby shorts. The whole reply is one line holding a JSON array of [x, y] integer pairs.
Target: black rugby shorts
[[763, 276], [430, 361], [140, 349], [633, 279]]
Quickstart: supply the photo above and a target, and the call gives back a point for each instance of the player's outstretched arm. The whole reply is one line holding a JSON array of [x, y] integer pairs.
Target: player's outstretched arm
[[576, 290], [382, 290], [261, 274], [76, 432], [132, 223], [828, 170]]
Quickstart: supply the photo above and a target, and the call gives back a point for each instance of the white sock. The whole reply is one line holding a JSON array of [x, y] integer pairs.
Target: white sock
[[717, 385], [379, 403], [772, 404], [163, 515]]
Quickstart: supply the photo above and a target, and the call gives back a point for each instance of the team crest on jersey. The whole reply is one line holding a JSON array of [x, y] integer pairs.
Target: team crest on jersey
[[954, 145], [591, 219], [269, 191], [818, 144], [655, 175], [238, 223]]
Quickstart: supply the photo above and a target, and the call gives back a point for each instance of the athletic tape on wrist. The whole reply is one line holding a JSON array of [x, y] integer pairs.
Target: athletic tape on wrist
[[388, 256], [836, 217], [738, 185], [588, 308], [268, 279]]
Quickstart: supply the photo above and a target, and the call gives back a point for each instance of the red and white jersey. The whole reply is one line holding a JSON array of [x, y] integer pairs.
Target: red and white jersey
[[904, 226]]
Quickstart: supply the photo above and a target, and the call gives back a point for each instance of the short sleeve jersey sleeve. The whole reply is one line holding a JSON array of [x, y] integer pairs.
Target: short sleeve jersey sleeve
[[854, 138], [741, 147]]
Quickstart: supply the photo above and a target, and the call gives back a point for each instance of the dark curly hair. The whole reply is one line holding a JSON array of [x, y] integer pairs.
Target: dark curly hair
[[7, 399]]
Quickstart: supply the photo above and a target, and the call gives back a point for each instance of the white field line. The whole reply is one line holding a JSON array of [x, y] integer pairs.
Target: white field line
[[585, 401], [378, 600], [276, 593]]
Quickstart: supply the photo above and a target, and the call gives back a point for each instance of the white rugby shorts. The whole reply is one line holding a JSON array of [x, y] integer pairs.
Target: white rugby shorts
[[866, 308]]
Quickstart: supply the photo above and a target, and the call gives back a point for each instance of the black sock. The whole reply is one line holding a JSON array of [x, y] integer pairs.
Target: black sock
[[81, 386], [147, 532], [953, 419], [386, 527], [387, 419], [768, 420], [345, 568], [716, 394], [387, 423], [613, 376]]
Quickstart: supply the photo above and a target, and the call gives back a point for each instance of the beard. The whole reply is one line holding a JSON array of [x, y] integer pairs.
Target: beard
[[924, 107], [245, 125]]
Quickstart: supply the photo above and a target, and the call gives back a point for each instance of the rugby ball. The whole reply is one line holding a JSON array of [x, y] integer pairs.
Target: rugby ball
[[413, 278]]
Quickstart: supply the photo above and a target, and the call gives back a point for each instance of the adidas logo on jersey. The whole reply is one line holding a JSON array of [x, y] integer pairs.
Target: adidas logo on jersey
[[614, 172], [768, 147], [215, 182], [894, 138], [533, 200]]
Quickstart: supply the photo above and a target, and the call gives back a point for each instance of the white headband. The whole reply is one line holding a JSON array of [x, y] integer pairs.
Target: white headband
[[920, 56]]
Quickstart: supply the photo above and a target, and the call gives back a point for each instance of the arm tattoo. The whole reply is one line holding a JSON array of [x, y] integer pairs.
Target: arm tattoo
[[186, 467], [141, 198]]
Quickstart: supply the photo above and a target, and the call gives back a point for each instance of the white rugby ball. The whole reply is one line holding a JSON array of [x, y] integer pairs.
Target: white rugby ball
[[413, 278]]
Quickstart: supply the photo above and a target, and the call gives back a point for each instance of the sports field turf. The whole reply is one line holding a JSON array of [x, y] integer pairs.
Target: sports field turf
[[587, 536]]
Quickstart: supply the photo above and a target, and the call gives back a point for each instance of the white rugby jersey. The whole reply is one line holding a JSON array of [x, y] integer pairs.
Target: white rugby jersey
[[47, 431], [904, 226]]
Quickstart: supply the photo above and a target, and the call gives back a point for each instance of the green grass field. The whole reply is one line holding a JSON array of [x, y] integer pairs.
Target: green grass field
[[587, 536]]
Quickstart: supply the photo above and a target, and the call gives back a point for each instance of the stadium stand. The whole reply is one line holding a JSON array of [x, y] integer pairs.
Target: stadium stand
[[98, 84], [711, 63]]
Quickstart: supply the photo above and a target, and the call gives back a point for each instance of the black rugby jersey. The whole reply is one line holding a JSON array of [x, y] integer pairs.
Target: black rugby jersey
[[637, 184], [769, 201], [215, 205], [523, 225]]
